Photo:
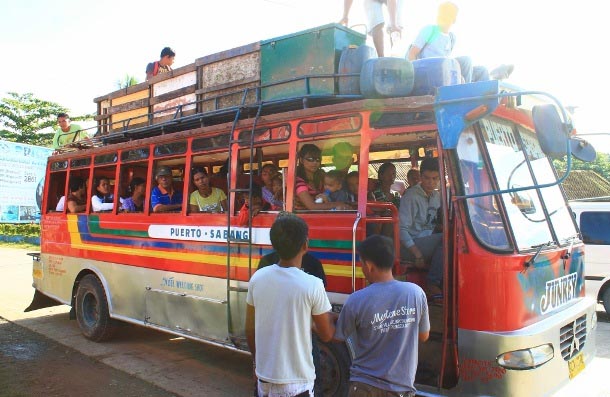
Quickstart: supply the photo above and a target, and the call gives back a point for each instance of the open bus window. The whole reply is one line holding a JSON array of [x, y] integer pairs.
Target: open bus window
[[132, 186], [102, 190], [56, 192], [167, 187]]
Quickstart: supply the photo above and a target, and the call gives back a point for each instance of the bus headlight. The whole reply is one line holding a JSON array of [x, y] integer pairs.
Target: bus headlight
[[526, 358]]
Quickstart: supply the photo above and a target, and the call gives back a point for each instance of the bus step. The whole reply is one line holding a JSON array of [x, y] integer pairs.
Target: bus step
[[238, 289]]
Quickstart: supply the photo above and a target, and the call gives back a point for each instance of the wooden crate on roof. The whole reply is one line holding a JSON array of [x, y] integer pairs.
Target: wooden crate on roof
[[126, 108], [224, 77], [174, 94]]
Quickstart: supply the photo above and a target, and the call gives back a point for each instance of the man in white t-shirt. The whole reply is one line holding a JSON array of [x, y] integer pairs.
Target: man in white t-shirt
[[283, 304]]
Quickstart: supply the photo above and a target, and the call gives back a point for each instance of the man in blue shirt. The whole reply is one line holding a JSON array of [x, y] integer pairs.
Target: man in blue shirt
[[388, 319], [164, 198]]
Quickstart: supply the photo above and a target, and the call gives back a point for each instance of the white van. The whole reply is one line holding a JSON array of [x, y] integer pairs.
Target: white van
[[593, 218]]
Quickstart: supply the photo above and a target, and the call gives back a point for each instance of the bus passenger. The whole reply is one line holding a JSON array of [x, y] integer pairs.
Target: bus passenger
[[277, 184], [413, 177], [385, 179], [267, 173], [206, 198], [385, 353], [102, 199], [76, 200], [66, 132], [334, 190], [135, 203], [164, 198], [418, 212], [281, 345], [310, 179], [253, 203], [163, 65]]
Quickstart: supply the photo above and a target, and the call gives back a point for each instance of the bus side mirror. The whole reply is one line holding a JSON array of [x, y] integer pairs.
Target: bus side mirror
[[551, 131]]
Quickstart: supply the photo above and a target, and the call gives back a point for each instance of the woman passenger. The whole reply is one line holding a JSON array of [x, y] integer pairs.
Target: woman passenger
[[135, 203], [206, 198], [267, 173], [386, 177], [102, 199], [310, 181]]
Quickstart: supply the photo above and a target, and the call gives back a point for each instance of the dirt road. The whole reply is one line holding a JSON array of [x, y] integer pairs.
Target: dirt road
[[33, 365]]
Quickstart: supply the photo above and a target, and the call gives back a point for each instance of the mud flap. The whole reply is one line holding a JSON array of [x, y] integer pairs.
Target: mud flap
[[40, 301]]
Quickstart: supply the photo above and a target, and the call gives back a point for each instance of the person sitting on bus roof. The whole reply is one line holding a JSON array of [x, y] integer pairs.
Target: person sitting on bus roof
[[418, 212], [206, 198], [102, 199], [309, 181], [163, 65], [438, 41], [164, 198], [135, 202], [76, 200], [66, 132]]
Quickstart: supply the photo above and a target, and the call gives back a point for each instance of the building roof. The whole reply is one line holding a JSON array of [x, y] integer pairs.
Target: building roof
[[584, 184]]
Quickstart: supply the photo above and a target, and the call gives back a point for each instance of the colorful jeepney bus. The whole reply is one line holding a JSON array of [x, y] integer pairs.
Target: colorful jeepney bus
[[513, 320]]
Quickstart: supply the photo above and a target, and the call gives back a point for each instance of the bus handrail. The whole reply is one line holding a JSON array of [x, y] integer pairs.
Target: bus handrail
[[393, 219], [354, 228]]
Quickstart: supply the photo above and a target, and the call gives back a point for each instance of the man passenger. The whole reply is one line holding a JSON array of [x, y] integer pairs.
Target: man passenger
[[281, 344], [164, 198], [418, 212], [385, 346]]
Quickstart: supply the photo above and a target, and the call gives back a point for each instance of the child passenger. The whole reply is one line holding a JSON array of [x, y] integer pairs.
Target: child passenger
[[255, 206], [333, 188], [277, 188]]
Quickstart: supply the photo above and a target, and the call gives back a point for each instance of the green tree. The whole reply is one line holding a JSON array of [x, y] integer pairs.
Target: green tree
[[127, 81], [601, 165], [22, 117]]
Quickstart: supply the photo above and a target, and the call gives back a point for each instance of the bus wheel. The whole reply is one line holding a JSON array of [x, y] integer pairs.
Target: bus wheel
[[336, 361], [92, 310], [606, 300]]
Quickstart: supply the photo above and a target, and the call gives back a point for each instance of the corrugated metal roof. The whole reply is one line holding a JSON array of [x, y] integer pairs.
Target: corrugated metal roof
[[583, 184]]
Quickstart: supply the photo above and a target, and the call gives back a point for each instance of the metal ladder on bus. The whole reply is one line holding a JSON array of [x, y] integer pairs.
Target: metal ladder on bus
[[234, 291]]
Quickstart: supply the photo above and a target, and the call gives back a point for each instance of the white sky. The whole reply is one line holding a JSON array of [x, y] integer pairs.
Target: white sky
[[71, 51]]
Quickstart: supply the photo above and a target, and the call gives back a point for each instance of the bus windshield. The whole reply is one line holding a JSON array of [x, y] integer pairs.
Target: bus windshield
[[516, 161]]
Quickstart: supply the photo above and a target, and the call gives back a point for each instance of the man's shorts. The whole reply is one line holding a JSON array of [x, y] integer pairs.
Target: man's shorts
[[373, 11]]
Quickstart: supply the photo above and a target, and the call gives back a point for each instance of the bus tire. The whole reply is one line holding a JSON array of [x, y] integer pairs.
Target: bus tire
[[92, 311], [606, 300], [336, 361]]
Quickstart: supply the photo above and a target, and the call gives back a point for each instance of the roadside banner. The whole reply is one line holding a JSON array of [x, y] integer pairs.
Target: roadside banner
[[22, 171]]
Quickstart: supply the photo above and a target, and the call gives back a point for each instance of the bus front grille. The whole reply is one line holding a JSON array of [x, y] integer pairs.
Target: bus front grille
[[573, 337]]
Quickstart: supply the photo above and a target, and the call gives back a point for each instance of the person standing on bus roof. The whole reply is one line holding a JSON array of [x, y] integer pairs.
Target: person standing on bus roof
[[418, 218], [385, 346], [280, 344], [66, 132], [163, 65], [164, 198], [375, 19]]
